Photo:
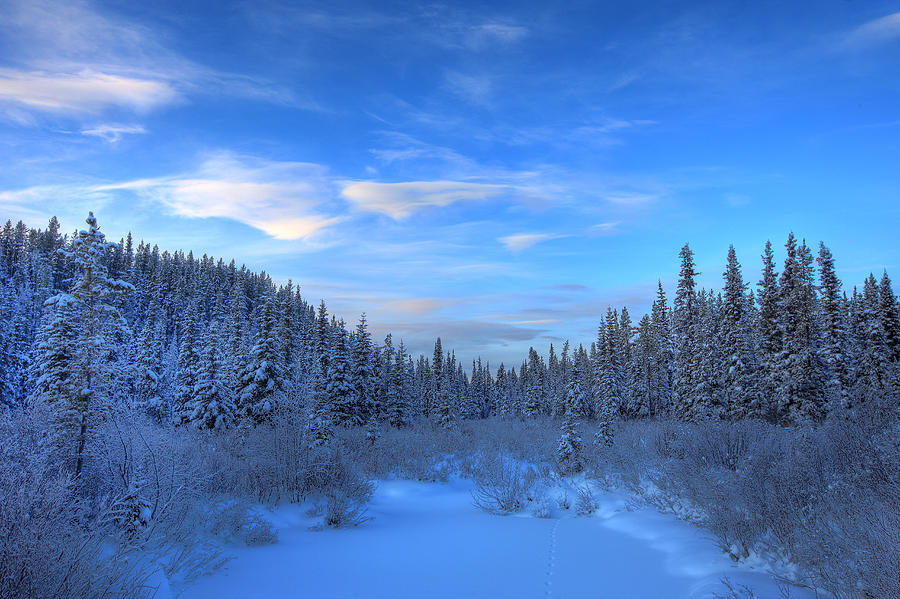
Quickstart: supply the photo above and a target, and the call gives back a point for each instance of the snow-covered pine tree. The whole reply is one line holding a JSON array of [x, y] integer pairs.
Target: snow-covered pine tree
[[433, 382], [534, 393], [188, 363], [607, 387], [263, 383], [739, 377], [889, 313], [569, 449], [51, 375], [642, 394], [833, 334], [338, 388], [768, 335], [398, 408], [800, 382], [212, 406], [661, 362], [445, 409], [707, 396], [148, 386], [90, 308], [872, 380], [685, 326], [362, 376]]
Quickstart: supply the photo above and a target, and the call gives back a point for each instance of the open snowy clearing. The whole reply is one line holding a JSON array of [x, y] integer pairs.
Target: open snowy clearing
[[428, 540]]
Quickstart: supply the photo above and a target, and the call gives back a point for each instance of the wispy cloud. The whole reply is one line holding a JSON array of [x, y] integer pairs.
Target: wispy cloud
[[420, 306], [523, 241], [112, 132], [282, 199], [603, 229], [399, 200], [874, 32], [476, 89], [488, 33], [70, 58], [85, 91]]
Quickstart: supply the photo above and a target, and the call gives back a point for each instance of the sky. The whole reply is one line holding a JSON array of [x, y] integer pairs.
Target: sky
[[495, 174]]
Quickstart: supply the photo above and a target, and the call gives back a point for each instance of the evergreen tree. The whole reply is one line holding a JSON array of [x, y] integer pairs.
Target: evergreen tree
[[398, 403], [800, 385], [99, 332], [148, 386], [212, 406], [769, 334], [339, 389], [362, 377], [832, 348], [739, 371], [872, 376], [569, 450], [188, 361], [660, 356], [534, 395], [263, 383], [686, 316]]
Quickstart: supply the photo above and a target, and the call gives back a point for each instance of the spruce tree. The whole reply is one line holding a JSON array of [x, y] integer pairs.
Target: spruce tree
[[800, 381], [833, 331], [188, 362], [212, 406], [362, 379], [685, 327], [769, 334], [263, 383], [739, 374], [338, 388], [96, 331], [569, 449]]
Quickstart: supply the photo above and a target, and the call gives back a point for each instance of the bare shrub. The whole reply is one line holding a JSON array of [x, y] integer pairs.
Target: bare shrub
[[501, 485], [542, 507], [585, 502]]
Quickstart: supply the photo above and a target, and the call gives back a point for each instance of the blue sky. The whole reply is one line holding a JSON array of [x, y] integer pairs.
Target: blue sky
[[496, 175]]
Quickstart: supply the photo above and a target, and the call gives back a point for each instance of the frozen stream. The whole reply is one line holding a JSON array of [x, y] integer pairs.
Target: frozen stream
[[428, 540]]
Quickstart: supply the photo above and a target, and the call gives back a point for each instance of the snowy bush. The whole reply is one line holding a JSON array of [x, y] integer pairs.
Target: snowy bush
[[343, 486], [235, 521], [501, 485], [585, 502], [822, 499], [51, 545], [542, 506]]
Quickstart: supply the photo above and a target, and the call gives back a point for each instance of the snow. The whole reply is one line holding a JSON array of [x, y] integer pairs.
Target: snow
[[428, 540]]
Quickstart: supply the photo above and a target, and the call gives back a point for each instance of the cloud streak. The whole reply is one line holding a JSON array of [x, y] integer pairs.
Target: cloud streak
[[874, 32], [84, 91], [282, 199], [113, 133], [523, 241], [400, 200]]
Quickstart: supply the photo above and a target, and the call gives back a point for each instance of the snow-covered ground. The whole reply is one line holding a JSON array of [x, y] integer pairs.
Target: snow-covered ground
[[428, 540]]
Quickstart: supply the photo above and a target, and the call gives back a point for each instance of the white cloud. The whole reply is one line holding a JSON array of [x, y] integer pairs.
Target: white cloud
[[490, 34], [603, 229], [282, 199], [631, 198], [85, 91], [113, 133], [874, 32], [399, 200], [522, 241], [74, 58], [474, 88]]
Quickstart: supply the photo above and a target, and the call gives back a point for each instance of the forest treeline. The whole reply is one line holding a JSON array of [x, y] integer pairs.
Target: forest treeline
[[198, 342]]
